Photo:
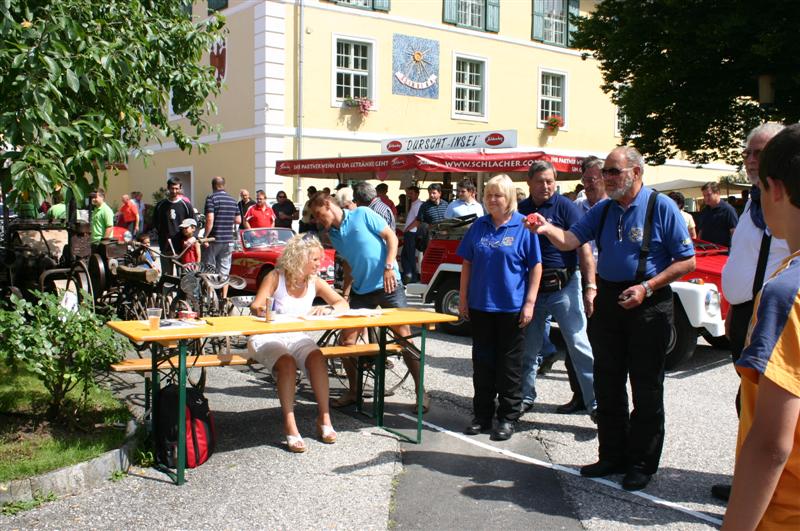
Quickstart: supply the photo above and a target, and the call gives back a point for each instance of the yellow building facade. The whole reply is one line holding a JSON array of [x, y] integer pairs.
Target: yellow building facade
[[293, 68]]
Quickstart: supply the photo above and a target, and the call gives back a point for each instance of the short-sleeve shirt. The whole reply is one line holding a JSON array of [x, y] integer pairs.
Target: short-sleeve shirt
[[179, 243], [501, 259], [388, 202], [57, 211], [168, 217], [383, 210], [562, 213], [413, 213], [128, 212], [716, 223], [773, 352], [102, 219], [287, 208], [359, 242], [258, 218], [460, 208], [621, 237], [430, 212], [225, 210]]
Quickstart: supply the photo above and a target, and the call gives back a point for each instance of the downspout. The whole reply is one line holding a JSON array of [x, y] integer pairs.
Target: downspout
[[299, 119]]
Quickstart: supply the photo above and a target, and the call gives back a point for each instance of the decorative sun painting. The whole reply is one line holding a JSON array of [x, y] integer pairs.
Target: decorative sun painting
[[415, 67]]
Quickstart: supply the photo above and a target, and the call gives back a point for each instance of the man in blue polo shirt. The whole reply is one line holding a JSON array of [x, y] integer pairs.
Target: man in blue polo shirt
[[560, 293], [643, 245], [369, 246], [222, 219]]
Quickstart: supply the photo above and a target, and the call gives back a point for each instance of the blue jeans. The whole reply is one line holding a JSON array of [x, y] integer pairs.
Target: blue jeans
[[408, 257], [548, 348], [566, 308]]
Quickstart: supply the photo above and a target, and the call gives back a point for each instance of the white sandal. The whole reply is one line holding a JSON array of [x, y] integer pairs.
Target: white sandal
[[296, 444], [326, 433]]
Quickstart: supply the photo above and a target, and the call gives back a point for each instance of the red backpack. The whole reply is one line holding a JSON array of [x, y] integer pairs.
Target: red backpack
[[200, 435]]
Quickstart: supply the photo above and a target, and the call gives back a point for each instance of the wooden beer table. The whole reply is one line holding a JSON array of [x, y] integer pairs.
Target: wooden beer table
[[168, 336]]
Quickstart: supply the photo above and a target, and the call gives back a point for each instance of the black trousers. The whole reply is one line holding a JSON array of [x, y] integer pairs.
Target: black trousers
[[497, 346], [740, 315], [574, 386], [630, 343]]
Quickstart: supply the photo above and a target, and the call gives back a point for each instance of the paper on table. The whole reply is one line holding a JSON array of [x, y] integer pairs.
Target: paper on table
[[362, 312], [177, 323], [279, 318], [328, 317]]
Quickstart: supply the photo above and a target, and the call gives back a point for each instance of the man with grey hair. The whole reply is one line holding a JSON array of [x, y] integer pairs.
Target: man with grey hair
[[643, 245], [559, 289], [754, 256], [364, 194]]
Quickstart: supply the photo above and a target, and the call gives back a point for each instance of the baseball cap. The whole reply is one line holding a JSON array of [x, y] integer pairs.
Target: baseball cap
[[188, 222]]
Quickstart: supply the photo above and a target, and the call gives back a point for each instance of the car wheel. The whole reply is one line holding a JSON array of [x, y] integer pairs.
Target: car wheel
[[683, 339], [263, 273], [447, 302]]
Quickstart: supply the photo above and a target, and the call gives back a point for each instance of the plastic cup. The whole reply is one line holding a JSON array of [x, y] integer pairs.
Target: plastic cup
[[154, 318]]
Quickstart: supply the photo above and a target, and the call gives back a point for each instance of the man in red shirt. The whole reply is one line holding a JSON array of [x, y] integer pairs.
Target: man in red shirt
[[382, 190], [128, 215], [259, 215]]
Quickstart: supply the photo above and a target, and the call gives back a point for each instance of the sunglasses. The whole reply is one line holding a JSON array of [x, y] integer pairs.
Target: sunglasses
[[613, 172]]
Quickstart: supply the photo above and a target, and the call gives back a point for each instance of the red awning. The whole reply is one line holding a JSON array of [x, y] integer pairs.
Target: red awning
[[436, 162]]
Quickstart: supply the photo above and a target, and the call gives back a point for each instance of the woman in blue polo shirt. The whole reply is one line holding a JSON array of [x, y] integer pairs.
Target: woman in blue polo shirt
[[499, 282]]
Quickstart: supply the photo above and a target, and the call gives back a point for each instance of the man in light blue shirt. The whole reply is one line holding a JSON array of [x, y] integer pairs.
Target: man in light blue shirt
[[466, 203], [364, 239]]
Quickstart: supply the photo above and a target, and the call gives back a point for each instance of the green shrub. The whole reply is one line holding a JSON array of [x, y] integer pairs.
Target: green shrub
[[61, 347]]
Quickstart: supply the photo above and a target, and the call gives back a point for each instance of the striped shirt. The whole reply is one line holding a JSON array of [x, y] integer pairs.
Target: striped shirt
[[225, 210], [384, 211], [430, 212]]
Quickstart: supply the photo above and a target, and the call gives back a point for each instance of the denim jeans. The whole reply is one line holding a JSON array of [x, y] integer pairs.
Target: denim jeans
[[566, 308]]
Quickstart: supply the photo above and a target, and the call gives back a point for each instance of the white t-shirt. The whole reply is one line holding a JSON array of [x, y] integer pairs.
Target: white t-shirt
[[740, 269], [412, 214]]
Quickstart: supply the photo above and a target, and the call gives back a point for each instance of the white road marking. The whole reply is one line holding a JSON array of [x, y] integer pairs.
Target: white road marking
[[519, 457]]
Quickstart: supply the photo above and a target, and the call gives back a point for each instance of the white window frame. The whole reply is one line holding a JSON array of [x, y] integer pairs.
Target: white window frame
[[540, 124], [617, 121], [373, 68], [456, 115], [181, 169], [564, 22], [482, 3]]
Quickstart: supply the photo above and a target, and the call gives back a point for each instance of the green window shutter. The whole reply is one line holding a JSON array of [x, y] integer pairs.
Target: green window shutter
[[574, 11], [381, 5], [217, 5], [537, 31], [450, 11], [493, 15]]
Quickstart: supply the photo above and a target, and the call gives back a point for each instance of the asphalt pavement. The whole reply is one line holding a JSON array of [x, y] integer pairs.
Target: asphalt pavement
[[371, 480]]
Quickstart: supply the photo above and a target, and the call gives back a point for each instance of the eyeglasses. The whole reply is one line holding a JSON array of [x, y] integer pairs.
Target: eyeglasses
[[619, 229], [613, 172], [754, 152]]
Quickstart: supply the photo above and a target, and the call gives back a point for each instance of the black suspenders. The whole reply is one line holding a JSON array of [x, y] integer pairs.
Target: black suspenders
[[646, 234]]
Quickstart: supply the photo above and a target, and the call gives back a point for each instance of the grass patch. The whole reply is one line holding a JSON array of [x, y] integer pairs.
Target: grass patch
[[12, 508], [30, 444]]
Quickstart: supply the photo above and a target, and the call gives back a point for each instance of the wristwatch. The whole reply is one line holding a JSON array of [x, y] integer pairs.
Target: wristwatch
[[388, 267], [647, 289]]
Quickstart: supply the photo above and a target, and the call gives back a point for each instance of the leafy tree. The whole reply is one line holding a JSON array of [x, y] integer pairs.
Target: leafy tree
[[685, 72], [84, 82]]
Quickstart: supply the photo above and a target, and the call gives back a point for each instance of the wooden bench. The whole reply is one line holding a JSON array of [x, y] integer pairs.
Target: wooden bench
[[337, 351]]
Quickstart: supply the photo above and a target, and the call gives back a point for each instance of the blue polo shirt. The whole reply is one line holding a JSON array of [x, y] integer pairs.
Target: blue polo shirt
[[562, 213], [621, 239], [358, 240], [501, 259]]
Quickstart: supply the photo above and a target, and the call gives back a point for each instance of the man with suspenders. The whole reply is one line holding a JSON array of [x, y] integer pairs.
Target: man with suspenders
[[643, 245]]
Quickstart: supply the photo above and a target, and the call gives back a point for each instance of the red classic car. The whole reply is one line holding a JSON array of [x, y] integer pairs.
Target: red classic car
[[257, 252]]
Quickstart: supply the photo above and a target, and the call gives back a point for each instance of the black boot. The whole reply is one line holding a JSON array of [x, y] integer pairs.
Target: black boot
[[573, 406]]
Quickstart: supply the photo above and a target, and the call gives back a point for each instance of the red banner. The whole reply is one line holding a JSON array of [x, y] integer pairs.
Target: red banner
[[429, 162]]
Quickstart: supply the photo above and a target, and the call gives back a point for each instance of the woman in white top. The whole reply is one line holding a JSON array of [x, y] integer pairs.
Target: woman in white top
[[293, 285]]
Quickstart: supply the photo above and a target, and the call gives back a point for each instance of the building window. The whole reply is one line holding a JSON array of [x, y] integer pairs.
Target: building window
[[552, 96], [482, 15], [469, 90], [353, 72], [551, 20], [376, 5], [217, 5], [620, 120]]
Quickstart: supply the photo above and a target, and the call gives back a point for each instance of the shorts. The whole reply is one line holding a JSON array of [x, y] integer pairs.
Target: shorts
[[376, 298], [218, 254], [266, 349]]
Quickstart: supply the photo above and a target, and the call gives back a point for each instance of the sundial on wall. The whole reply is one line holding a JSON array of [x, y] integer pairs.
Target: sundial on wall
[[415, 67]]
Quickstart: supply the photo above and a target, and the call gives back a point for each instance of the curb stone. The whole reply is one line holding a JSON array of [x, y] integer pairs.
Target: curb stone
[[75, 478]]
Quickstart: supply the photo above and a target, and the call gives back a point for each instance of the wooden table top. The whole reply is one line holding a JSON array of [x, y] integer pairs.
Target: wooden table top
[[247, 325]]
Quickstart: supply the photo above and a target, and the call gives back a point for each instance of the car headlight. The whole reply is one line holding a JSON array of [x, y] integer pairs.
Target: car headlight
[[713, 302]]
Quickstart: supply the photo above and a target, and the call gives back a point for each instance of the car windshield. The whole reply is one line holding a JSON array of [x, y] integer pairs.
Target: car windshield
[[263, 238]]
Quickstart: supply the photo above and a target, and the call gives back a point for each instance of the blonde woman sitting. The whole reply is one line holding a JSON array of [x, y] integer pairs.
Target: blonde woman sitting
[[293, 285]]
